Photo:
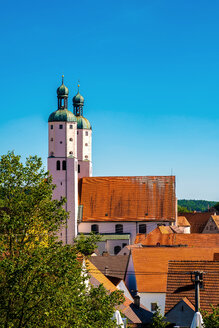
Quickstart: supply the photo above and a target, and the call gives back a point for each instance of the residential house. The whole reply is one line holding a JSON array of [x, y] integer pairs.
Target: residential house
[[180, 297], [197, 220], [148, 267], [212, 226]]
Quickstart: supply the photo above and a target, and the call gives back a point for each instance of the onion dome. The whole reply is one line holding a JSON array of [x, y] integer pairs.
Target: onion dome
[[78, 100], [62, 91], [83, 123], [62, 115]]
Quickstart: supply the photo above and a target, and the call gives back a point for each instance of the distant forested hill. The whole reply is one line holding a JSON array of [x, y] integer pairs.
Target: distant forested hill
[[191, 205]]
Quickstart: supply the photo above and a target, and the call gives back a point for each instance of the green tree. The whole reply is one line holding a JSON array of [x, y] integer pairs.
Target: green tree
[[41, 281], [85, 245], [158, 320], [211, 319]]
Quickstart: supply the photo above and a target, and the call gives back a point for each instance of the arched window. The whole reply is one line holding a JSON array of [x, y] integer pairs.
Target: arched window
[[117, 249], [58, 165], [64, 165], [119, 228], [95, 228], [142, 228]]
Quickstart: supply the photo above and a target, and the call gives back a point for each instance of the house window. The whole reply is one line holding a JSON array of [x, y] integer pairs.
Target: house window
[[58, 165], [60, 126], [153, 306], [70, 139], [142, 228], [79, 169], [123, 245], [64, 165], [70, 126], [119, 228], [51, 127], [95, 228], [86, 133], [211, 227], [117, 249]]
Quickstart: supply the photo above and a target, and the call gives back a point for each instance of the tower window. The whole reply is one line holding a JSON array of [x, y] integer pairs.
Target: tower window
[[51, 127], [86, 156], [60, 142], [58, 165], [70, 139], [79, 168], [86, 144], [119, 228], [86, 133], [117, 249], [70, 126], [95, 228], [71, 152], [51, 154], [142, 228], [64, 165], [60, 126], [51, 139], [77, 132]]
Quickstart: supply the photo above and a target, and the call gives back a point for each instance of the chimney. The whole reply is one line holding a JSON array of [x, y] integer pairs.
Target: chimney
[[105, 253], [136, 300]]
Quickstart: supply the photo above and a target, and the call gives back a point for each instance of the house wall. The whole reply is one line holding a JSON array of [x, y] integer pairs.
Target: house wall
[[121, 286], [111, 244], [130, 279], [148, 298], [109, 227], [210, 227], [181, 315]]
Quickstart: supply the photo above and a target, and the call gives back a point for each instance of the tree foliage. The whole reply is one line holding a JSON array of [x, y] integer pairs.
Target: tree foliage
[[85, 245], [158, 320], [41, 281], [190, 205], [211, 319]]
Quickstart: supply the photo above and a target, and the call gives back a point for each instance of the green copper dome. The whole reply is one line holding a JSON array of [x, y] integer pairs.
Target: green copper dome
[[83, 123], [62, 90], [78, 99], [62, 115]]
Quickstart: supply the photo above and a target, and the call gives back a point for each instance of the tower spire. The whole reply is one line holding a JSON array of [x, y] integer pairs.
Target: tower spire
[[78, 103], [62, 95]]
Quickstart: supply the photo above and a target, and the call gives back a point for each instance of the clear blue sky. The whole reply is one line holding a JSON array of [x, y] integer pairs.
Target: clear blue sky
[[149, 73]]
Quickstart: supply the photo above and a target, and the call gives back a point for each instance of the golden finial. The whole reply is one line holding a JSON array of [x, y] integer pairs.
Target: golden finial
[[62, 79], [78, 85]]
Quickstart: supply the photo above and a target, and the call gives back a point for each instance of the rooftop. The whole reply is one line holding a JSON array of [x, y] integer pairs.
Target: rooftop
[[151, 264], [197, 220], [128, 198], [179, 283]]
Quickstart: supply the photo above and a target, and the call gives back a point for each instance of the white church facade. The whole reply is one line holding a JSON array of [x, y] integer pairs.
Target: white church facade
[[117, 207]]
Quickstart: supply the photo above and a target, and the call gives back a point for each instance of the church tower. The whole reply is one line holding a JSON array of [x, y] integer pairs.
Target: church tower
[[84, 138], [63, 162]]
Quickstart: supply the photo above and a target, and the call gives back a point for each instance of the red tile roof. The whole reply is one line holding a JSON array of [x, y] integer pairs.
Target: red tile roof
[[197, 220], [179, 283], [190, 240], [127, 198], [151, 264]]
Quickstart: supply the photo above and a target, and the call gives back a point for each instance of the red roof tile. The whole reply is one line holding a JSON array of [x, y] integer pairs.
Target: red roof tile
[[151, 264], [127, 198], [197, 220], [179, 283], [190, 240]]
